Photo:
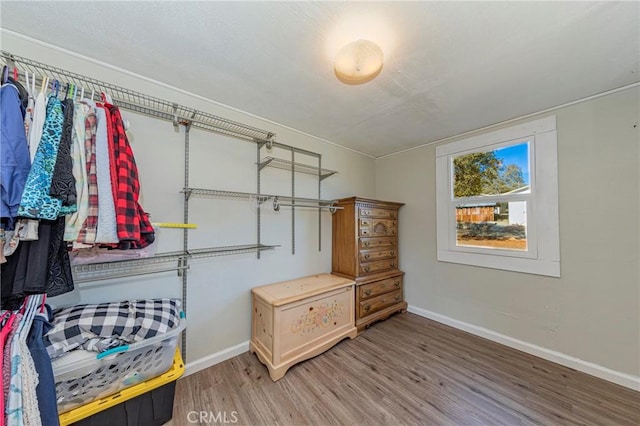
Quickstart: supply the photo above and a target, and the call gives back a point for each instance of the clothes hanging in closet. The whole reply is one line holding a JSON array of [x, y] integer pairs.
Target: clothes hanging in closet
[[37, 121], [82, 189], [46, 389], [11, 329], [28, 116], [41, 266], [106, 227], [14, 154], [134, 227], [28, 386], [7, 321], [88, 230], [22, 403], [78, 159], [36, 201], [63, 183]]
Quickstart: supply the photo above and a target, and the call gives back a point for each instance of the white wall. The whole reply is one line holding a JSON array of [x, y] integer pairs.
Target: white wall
[[592, 312], [218, 305]]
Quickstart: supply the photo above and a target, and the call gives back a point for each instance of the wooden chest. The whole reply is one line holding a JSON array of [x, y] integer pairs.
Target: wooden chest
[[365, 248], [299, 319]]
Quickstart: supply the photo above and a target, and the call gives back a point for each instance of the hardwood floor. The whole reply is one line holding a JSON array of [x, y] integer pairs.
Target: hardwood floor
[[406, 370]]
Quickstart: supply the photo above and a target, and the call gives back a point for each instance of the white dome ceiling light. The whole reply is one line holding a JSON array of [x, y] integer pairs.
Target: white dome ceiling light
[[358, 62]]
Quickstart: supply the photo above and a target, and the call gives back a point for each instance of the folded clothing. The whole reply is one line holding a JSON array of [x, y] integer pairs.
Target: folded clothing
[[104, 326], [97, 254]]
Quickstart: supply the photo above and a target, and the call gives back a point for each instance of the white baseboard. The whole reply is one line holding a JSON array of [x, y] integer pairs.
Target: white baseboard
[[623, 379], [215, 358]]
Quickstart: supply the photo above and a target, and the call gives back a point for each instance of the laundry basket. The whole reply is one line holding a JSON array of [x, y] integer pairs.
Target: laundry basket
[[87, 376], [149, 403]]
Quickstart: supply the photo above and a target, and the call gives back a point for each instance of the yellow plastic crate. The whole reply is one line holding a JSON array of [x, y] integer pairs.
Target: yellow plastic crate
[[77, 414]]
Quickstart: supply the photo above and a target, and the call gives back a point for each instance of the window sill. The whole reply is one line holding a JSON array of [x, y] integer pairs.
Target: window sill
[[549, 268]]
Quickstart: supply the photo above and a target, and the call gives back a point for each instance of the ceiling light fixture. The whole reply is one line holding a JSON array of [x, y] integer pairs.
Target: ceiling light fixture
[[358, 62]]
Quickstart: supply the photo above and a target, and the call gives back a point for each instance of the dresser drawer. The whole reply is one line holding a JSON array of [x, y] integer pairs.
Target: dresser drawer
[[379, 287], [375, 304], [372, 223], [369, 243], [371, 255], [382, 265], [381, 213], [378, 227]]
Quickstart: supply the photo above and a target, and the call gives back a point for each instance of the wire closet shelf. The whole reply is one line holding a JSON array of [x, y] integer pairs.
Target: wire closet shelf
[[138, 102], [280, 163], [156, 108], [161, 262], [277, 200]]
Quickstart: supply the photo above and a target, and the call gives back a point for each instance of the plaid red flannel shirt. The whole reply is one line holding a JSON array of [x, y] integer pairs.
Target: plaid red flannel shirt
[[88, 230], [134, 227]]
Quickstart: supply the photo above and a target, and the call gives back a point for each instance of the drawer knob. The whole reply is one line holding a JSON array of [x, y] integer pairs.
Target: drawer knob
[[393, 231], [393, 253], [396, 284], [366, 268], [366, 212], [392, 264], [397, 298], [368, 292], [366, 256], [366, 243], [367, 307]]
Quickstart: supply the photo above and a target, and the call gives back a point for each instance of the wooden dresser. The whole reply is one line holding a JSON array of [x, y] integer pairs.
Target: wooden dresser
[[365, 249]]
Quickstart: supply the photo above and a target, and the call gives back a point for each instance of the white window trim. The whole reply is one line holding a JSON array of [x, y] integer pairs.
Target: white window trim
[[543, 237]]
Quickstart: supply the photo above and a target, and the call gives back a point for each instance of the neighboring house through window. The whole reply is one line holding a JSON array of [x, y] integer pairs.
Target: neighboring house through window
[[497, 199]]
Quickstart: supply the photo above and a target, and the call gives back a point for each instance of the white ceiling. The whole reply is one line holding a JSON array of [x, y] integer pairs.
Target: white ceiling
[[450, 67]]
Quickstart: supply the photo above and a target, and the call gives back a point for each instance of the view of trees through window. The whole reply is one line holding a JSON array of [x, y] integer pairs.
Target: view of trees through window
[[499, 223], [491, 173]]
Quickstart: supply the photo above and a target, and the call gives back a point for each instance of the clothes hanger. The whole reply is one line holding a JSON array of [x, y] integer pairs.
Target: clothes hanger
[[5, 316], [44, 299], [9, 320], [26, 77], [44, 85], [5, 74], [25, 304]]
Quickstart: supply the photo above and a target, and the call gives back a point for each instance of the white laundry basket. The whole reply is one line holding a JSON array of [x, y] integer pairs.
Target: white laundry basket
[[84, 376]]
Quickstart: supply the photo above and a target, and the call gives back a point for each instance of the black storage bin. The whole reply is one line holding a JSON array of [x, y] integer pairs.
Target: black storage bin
[[153, 408]]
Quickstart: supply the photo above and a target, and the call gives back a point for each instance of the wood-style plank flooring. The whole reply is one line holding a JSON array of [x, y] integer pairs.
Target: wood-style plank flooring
[[406, 370]]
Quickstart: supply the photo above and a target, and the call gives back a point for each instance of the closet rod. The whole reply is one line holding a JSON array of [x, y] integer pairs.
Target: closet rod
[[138, 102]]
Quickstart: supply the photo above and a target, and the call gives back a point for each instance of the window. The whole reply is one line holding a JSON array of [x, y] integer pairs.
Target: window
[[497, 199]]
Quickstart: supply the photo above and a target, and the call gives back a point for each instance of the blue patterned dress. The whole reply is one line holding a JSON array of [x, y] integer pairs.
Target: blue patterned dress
[[36, 203]]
